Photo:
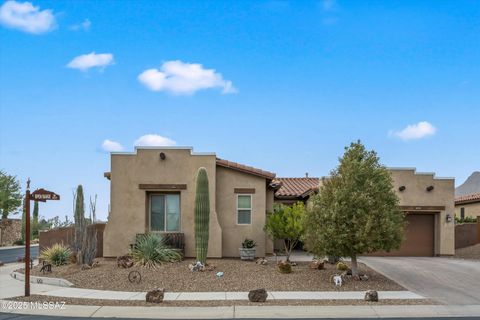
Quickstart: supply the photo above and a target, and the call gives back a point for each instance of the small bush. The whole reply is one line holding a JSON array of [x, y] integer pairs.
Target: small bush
[[284, 267], [151, 250], [248, 244], [58, 254], [18, 242], [465, 220], [342, 266]]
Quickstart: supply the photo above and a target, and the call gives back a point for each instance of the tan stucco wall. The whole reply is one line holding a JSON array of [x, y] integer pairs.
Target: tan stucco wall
[[416, 194], [471, 209], [232, 233], [128, 213]]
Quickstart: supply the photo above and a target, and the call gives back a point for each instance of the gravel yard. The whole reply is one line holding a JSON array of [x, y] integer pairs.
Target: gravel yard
[[100, 302], [238, 276]]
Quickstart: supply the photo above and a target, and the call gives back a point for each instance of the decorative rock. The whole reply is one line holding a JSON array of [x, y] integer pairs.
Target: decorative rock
[[258, 295], [125, 262], [293, 264], [86, 267], [262, 261], [284, 267], [155, 296], [198, 266], [363, 277], [371, 295], [316, 265]]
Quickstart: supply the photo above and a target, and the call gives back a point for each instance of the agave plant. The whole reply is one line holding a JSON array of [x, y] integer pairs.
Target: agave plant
[[151, 250], [58, 254]]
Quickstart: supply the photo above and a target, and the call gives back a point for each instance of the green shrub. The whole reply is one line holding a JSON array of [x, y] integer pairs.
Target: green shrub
[[284, 267], [465, 220], [342, 266], [18, 242], [151, 250], [248, 244], [58, 254]]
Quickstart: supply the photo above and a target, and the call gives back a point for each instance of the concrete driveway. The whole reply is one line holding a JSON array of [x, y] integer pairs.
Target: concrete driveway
[[446, 280]]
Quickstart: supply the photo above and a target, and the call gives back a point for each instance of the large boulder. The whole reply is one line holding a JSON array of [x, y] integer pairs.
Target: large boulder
[[155, 296], [371, 295], [258, 295]]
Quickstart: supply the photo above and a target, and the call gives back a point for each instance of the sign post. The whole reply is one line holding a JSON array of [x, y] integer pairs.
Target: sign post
[[27, 239], [37, 195]]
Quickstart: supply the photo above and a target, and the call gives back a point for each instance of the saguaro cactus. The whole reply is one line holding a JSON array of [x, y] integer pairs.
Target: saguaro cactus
[[79, 216], [202, 215]]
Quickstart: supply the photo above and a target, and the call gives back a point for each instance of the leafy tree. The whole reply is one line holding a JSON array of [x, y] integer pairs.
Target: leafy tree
[[10, 194], [356, 210], [286, 223], [35, 220]]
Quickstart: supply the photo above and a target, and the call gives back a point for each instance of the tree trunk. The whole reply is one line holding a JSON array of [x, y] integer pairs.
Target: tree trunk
[[354, 265]]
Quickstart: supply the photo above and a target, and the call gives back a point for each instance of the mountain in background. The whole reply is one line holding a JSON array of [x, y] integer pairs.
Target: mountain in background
[[471, 185]]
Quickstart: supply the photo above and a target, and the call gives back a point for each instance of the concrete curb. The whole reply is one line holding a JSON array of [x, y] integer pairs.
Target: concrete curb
[[42, 280], [269, 312]]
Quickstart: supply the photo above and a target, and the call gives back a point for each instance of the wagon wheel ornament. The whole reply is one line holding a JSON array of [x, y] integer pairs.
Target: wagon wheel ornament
[[134, 277]]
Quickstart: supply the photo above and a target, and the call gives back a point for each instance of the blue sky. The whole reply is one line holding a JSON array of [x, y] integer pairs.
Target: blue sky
[[280, 85]]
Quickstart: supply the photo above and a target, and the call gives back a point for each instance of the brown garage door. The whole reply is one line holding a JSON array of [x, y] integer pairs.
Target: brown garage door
[[419, 237]]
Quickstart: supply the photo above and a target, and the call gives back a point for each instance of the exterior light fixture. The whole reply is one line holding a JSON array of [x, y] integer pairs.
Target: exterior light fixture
[[402, 188], [162, 156], [449, 217], [430, 188]]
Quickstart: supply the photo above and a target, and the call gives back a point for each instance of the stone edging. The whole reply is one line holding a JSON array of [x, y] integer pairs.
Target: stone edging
[[42, 280]]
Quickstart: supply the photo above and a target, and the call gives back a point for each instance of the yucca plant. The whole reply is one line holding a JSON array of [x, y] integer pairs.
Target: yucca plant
[[151, 250], [58, 254]]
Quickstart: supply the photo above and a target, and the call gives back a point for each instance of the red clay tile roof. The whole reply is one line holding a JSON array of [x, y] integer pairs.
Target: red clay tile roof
[[245, 169], [296, 187], [474, 197]]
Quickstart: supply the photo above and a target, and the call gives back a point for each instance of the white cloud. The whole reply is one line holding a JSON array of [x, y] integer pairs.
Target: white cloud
[[24, 16], [109, 146], [85, 26], [416, 131], [154, 140], [179, 77], [91, 60]]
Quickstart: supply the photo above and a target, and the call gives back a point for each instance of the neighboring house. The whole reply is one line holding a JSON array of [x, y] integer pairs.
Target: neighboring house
[[467, 206], [153, 190]]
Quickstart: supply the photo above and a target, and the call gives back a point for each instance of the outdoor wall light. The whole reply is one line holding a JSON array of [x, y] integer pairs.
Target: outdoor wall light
[[430, 188], [162, 156], [402, 188], [449, 217]]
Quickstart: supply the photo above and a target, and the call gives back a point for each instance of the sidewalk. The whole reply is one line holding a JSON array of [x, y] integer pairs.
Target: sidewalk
[[274, 312]]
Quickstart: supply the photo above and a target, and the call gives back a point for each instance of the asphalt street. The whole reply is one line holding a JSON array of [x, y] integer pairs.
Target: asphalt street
[[8, 255]]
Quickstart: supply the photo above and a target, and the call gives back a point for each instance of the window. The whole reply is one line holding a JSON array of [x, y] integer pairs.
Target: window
[[165, 212], [244, 209], [462, 213]]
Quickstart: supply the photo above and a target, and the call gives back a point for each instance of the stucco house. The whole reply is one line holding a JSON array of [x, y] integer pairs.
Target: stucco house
[[153, 190], [467, 206]]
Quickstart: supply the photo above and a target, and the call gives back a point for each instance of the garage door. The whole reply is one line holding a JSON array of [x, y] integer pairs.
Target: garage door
[[419, 237]]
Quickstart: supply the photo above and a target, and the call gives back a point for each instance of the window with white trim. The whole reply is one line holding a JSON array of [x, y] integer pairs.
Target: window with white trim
[[244, 209], [165, 212]]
